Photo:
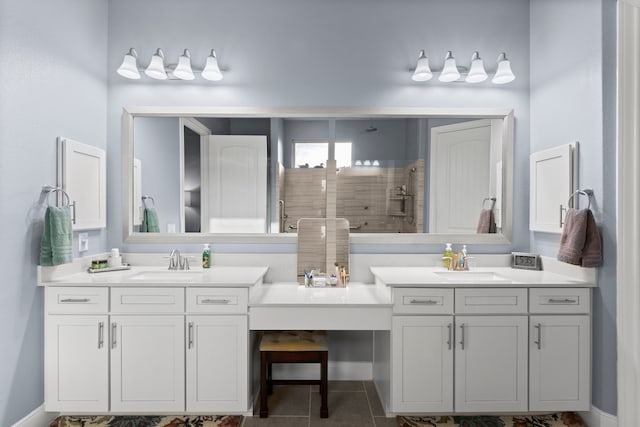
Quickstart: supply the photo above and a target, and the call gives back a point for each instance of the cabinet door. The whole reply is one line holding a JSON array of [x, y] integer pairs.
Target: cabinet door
[[147, 363], [76, 363], [82, 173], [217, 363], [491, 363], [551, 181], [559, 363], [422, 364]]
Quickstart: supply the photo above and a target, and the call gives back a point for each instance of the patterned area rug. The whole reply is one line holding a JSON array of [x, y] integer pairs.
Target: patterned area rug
[[564, 419], [149, 421]]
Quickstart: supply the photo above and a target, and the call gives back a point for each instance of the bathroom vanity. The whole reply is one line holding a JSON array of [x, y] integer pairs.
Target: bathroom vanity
[[488, 340], [493, 339]]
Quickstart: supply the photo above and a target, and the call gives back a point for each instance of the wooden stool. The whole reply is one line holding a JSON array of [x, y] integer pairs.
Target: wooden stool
[[293, 347]]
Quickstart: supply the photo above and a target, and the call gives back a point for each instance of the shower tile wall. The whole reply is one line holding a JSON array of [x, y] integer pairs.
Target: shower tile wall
[[304, 195]]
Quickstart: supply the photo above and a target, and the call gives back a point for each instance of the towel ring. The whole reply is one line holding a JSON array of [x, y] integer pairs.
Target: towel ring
[[145, 198], [492, 199], [49, 189], [586, 192]]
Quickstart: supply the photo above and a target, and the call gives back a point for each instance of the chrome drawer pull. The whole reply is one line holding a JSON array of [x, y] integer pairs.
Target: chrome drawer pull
[[66, 300], [462, 336], [100, 334], [215, 301], [539, 328], [450, 328], [190, 334], [114, 328], [562, 301], [423, 301]]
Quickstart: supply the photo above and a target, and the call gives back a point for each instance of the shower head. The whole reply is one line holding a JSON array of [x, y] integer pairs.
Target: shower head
[[371, 127]]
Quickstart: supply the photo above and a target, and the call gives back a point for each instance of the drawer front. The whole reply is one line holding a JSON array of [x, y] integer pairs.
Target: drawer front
[[147, 300], [71, 300], [217, 300], [491, 301], [565, 300], [422, 301]]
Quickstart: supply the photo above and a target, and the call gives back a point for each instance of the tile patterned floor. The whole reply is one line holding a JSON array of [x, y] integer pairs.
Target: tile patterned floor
[[351, 404]]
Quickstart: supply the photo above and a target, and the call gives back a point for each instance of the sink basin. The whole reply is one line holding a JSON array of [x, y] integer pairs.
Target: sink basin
[[168, 276], [471, 276]]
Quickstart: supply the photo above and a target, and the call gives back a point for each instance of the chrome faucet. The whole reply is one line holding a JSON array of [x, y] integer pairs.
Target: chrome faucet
[[177, 261]]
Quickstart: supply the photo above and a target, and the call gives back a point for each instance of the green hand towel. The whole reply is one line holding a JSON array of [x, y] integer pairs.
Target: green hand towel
[[55, 246], [150, 221]]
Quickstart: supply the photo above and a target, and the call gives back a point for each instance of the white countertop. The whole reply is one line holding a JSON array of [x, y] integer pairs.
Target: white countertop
[[228, 276], [292, 294], [481, 276]]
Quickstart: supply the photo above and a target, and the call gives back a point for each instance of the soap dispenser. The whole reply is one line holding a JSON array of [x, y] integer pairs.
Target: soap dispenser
[[206, 256], [447, 256]]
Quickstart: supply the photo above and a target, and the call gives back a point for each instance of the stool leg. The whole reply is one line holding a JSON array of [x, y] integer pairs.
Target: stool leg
[[269, 377], [324, 406], [264, 411]]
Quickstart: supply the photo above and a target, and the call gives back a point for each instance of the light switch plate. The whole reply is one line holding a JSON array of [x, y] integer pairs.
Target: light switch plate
[[83, 242]]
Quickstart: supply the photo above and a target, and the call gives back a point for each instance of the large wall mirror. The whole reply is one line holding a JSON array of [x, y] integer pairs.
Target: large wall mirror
[[247, 175]]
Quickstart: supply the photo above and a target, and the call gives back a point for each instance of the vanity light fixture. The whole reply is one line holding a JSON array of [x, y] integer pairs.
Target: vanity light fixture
[[183, 69], [180, 71], [477, 73], [156, 69], [504, 73], [129, 66], [451, 72], [211, 70], [423, 71]]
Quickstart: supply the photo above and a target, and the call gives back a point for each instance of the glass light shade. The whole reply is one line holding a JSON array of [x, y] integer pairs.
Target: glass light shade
[[155, 69], [211, 70], [503, 74], [183, 69], [477, 73], [129, 66], [450, 71], [423, 71]]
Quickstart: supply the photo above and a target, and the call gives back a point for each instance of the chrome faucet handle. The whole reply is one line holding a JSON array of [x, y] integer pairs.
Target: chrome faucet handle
[[174, 259], [184, 263]]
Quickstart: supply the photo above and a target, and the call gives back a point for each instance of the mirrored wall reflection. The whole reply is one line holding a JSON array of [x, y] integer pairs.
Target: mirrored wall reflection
[[261, 175]]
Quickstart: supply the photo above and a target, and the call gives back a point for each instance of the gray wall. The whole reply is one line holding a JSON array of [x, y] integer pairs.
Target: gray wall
[[53, 82], [572, 99]]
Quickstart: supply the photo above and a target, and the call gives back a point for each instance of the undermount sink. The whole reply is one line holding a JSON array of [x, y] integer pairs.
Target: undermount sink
[[168, 276], [471, 276]]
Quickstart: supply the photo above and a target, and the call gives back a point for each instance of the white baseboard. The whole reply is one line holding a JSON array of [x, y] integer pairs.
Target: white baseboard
[[338, 371], [597, 418], [37, 418]]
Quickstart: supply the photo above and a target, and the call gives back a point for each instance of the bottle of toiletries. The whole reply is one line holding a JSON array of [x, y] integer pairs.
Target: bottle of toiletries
[[447, 256], [206, 256]]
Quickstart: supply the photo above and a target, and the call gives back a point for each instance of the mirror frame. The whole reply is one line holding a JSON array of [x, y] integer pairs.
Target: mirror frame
[[129, 113]]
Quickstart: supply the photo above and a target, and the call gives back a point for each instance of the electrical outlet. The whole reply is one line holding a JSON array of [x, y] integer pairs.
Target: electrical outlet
[[83, 242]]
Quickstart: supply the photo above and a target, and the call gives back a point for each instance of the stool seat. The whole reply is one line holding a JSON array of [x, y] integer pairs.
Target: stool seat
[[293, 347], [294, 341]]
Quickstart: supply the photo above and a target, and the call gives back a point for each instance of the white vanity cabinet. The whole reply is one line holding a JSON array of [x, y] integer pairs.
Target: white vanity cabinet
[[76, 350], [512, 350], [560, 350], [146, 349], [217, 350]]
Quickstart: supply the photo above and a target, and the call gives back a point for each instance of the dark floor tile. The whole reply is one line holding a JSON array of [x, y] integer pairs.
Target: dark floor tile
[[275, 421], [345, 409], [287, 400], [342, 386], [374, 400]]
